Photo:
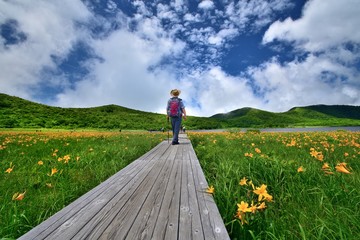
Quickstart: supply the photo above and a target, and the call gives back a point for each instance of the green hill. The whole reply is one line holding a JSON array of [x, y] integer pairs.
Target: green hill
[[316, 115], [19, 113]]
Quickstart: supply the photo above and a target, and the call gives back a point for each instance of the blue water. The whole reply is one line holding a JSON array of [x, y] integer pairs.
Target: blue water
[[311, 129], [304, 129]]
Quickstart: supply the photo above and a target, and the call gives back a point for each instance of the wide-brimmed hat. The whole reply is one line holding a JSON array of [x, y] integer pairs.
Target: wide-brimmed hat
[[175, 92]]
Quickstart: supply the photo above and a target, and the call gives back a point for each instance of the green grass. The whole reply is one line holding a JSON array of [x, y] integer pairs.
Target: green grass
[[306, 205], [94, 156]]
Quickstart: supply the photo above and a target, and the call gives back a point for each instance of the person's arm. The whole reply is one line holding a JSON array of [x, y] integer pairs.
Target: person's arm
[[184, 113]]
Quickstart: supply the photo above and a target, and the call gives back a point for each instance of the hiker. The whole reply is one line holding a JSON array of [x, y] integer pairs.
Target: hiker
[[175, 111]]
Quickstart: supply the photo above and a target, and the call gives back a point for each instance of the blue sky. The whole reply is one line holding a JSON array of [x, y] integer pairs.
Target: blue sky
[[223, 55]]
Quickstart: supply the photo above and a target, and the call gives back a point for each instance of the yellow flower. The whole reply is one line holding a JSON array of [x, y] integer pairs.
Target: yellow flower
[[241, 216], [325, 166], [261, 191], [66, 158], [9, 170], [210, 190], [261, 206], [346, 154], [341, 167], [18, 196], [313, 153], [243, 181], [257, 150], [268, 197], [320, 156], [253, 207], [243, 207], [53, 171], [40, 163], [300, 169]]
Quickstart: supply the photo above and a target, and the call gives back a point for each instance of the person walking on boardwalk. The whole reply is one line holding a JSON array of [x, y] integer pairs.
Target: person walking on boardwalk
[[175, 111]]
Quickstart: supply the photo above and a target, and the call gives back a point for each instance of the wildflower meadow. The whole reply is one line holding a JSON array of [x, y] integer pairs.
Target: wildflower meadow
[[266, 185], [43, 172], [284, 185]]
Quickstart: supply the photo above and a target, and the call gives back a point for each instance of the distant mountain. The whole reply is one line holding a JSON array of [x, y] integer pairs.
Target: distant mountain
[[19, 113], [315, 115], [338, 111]]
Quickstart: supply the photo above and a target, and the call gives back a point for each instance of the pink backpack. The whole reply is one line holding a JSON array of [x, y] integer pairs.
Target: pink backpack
[[174, 107]]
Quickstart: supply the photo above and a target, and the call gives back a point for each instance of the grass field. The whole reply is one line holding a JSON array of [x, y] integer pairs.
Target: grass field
[[42, 172], [267, 185], [284, 185]]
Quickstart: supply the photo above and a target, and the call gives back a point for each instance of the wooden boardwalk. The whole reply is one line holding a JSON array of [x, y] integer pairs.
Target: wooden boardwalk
[[161, 195]]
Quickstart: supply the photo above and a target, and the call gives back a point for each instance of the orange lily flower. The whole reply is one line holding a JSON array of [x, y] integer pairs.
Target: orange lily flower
[[210, 190], [341, 167], [18, 196], [325, 166], [243, 181], [243, 207]]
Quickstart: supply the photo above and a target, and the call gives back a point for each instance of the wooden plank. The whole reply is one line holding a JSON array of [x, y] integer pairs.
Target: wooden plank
[[167, 224], [190, 226], [213, 225], [96, 228], [145, 222], [123, 220]]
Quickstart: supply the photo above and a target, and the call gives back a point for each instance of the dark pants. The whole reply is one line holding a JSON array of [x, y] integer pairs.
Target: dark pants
[[175, 124]]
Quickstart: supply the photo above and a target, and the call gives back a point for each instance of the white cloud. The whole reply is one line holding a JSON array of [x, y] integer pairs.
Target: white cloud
[[206, 4], [315, 80], [217, 92], [220, 37], [324, 24], [124, 76], [256, 13], [50, 31], [329, 74]]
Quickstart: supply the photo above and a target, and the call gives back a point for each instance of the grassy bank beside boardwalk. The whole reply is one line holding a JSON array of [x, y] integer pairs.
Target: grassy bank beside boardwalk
[[284, 185], [42, 172]]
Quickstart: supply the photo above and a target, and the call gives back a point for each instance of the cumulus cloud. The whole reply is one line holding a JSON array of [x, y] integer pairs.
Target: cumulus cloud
[[221, 93], [50, 30], [206, 4], [124, 75], [324, 24], [327, 32], [314, 80]]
